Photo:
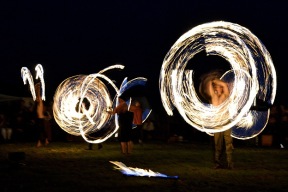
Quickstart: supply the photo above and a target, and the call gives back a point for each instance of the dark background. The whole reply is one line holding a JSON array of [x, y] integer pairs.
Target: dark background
[[83, 37]]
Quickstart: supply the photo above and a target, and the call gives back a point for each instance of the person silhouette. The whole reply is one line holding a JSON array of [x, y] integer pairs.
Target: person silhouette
[[216, 91]]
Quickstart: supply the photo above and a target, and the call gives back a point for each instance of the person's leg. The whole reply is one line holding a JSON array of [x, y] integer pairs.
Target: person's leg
[[90, 146], [140, 133], [100, 146], [229, 148], [46, 141], [124, 147], [39, 144], [46, 132], [9, 133], [130, 147], [218, 141], [40, 131], [3, 133], [135, 135]]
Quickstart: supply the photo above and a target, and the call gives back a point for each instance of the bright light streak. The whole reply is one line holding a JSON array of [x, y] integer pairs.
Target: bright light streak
[[40, 75], [254, 77], [82, 103], [26, 76], [130, 171]]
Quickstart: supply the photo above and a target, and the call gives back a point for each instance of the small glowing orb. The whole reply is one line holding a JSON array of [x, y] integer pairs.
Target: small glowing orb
[[252, 78]]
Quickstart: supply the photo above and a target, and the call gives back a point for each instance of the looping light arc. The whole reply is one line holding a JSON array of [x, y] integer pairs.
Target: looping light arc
[[252, 73], [27, 76], [82, 105]]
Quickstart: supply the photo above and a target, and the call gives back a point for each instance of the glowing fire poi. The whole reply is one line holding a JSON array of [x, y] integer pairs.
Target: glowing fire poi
[[82, 103], [26, 76], [130, 171], [252, 77]]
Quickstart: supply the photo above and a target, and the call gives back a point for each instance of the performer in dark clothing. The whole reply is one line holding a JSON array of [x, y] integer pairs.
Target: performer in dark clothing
[[125, 119]]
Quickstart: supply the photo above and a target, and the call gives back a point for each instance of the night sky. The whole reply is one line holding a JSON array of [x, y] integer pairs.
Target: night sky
[[83, 37]]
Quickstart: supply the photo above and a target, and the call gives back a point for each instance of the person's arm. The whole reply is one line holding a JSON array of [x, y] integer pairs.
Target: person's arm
[[132, 108], [206, 89], [119, 108], [210, 90], [223, 85]]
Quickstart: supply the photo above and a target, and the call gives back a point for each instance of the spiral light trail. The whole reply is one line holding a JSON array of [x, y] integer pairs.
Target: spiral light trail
[[252, 78], [82, 105]]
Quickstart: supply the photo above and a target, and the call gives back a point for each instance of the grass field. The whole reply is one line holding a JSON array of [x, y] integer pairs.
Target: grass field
[[69, 166]]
